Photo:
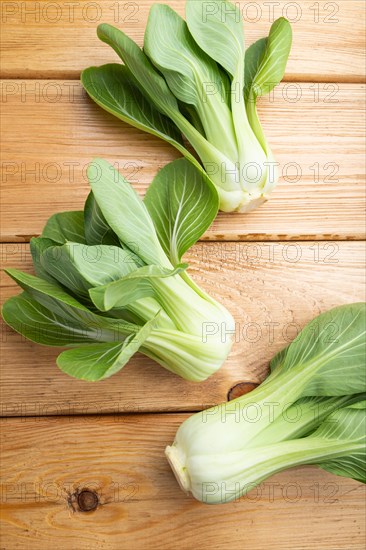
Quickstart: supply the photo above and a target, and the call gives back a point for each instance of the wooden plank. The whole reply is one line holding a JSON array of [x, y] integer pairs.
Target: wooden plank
[[42, 39], [272, 289], [51, 131], [45, 462]]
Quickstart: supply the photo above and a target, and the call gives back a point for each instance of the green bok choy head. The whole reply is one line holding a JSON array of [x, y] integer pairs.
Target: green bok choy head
[[196, 78], [310, 410], [109, 280]]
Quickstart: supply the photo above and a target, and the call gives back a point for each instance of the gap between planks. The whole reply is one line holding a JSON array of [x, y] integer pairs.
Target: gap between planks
[[60, 43], [320, 195], [287, 79]]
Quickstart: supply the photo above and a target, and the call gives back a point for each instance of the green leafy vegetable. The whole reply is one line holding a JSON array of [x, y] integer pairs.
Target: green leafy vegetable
[[113, 88], [139, 284], [96, 229], [173, 204], [310, 410], [196, 78], [99, 361], [114, 197], [65, 226], [110, 280], [267, 61]]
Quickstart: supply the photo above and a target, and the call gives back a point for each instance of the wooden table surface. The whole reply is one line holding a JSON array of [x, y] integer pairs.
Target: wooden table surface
[[65, 441]]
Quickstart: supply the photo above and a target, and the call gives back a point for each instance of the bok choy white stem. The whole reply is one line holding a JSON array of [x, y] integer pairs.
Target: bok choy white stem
[[310, 410]]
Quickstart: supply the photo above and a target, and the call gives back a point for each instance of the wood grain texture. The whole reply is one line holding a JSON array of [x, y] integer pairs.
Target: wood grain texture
[[51, 131], [45, 461], [272, 289], [42, 39]]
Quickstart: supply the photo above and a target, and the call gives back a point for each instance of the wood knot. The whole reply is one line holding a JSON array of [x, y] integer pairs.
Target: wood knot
[[87, 500], [241, 389]]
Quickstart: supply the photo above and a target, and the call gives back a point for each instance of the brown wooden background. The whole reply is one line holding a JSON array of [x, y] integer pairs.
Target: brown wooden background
[[298, 255]]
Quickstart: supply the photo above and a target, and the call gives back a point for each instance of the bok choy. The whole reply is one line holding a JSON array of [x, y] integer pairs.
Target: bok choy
[[195, 78], [110, 280], [310, 410]]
